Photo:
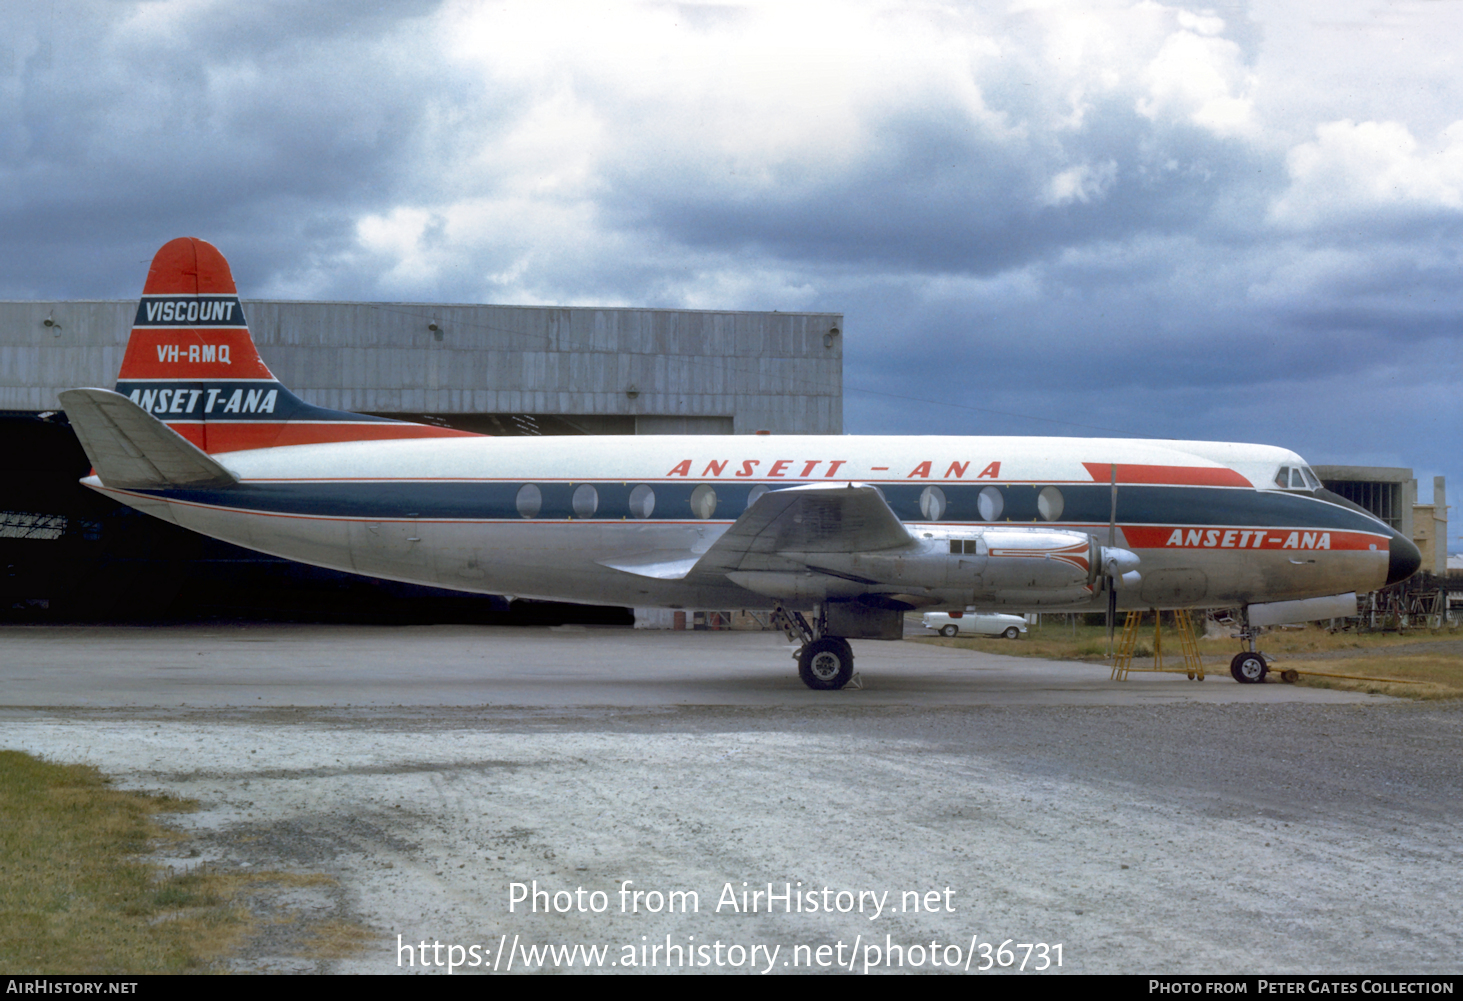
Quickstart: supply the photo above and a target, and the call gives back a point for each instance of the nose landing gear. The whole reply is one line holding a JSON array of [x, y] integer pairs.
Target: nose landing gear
[[1248, 667]]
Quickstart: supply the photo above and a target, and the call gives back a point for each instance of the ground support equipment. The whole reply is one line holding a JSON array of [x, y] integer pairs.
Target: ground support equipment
[[1188, 645]]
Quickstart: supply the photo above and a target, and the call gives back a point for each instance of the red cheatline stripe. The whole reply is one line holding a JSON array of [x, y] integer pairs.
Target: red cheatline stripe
[[1189, 476], [1190, 537]]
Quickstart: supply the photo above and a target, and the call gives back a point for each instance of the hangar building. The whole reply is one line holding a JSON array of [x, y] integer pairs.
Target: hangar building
[[68, 553]]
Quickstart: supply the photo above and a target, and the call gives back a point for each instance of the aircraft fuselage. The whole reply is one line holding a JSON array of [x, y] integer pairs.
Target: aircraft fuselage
[[544, 518]]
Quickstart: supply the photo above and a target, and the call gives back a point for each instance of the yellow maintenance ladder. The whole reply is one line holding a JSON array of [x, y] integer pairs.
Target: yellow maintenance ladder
[[1189, 646]]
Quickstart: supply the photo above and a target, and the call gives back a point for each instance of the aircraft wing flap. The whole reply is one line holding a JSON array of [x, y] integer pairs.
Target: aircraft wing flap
[[811, 519], [131, 449]]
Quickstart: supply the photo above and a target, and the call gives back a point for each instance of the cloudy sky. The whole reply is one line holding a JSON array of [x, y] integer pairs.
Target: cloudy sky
[[1240, 222]]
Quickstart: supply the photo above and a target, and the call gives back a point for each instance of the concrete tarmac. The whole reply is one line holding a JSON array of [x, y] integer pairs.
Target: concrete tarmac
[[312, 665], [439, 775]]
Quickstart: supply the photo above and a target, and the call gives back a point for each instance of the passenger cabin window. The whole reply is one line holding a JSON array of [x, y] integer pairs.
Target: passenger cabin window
[[961, 547], [703, 501], [586, 501], [932, 503], [642, 501], [530, 500], [1049, 503], [990, 502]]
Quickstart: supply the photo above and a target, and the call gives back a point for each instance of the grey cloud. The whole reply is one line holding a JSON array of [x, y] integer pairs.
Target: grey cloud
[[1170, 302], [939, 197], [235, 126]]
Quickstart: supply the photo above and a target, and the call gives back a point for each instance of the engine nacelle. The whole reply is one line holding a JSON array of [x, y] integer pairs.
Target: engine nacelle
[[998, 559], [1001, 566]]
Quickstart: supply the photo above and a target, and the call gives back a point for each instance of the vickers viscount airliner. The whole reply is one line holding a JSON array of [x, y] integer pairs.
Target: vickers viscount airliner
[[837, 536]]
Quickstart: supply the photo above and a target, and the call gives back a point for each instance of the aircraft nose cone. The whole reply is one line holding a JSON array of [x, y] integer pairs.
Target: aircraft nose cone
[[1405, 559]]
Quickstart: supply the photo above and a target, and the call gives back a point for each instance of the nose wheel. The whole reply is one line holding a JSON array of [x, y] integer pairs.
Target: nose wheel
[[1249, 668]]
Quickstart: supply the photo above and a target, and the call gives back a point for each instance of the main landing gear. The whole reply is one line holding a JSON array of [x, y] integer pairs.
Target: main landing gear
[[825, 663]]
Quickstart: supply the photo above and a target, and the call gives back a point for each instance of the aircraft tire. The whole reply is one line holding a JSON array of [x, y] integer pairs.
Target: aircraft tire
[[949, 630], [1249, 668], [826, 664], [1011, 633]]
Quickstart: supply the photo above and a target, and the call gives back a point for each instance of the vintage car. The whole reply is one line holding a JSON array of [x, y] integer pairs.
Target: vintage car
[[977, 623]]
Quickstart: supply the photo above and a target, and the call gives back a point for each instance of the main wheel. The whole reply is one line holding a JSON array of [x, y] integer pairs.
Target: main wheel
[[826, 664], [1249, 668], [949, 630], [1011, 632]]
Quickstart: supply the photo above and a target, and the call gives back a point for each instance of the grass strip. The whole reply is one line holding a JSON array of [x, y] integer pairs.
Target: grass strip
[[1412, 665], [1412, 676], [74, 896]]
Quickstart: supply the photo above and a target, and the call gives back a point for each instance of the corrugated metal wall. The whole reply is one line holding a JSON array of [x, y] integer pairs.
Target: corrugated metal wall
[[781, 372]]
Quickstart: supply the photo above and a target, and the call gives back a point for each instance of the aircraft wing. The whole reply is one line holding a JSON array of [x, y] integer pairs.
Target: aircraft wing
[[131, 449], [810, 519]]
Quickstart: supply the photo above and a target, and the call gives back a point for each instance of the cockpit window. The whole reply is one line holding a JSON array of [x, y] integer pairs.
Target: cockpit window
[[1296, 478]]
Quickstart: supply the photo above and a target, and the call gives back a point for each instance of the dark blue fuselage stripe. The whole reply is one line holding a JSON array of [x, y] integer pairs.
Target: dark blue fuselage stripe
[[469, 501]]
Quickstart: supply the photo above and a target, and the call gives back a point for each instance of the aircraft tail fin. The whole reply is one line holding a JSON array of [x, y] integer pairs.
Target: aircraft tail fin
[[192, 363], [131, 449]]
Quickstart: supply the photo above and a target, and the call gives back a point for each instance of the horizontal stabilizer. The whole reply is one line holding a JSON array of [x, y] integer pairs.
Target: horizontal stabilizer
[[131, 449]]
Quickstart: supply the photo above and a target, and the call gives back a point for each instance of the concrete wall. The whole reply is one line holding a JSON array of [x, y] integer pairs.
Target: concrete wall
[[1390, 492], [668, 369], [1440, 523], [1430, 528]]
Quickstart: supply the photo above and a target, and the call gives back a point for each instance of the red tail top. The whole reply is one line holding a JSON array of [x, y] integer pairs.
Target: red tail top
[[192, 363], [187, 266]]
